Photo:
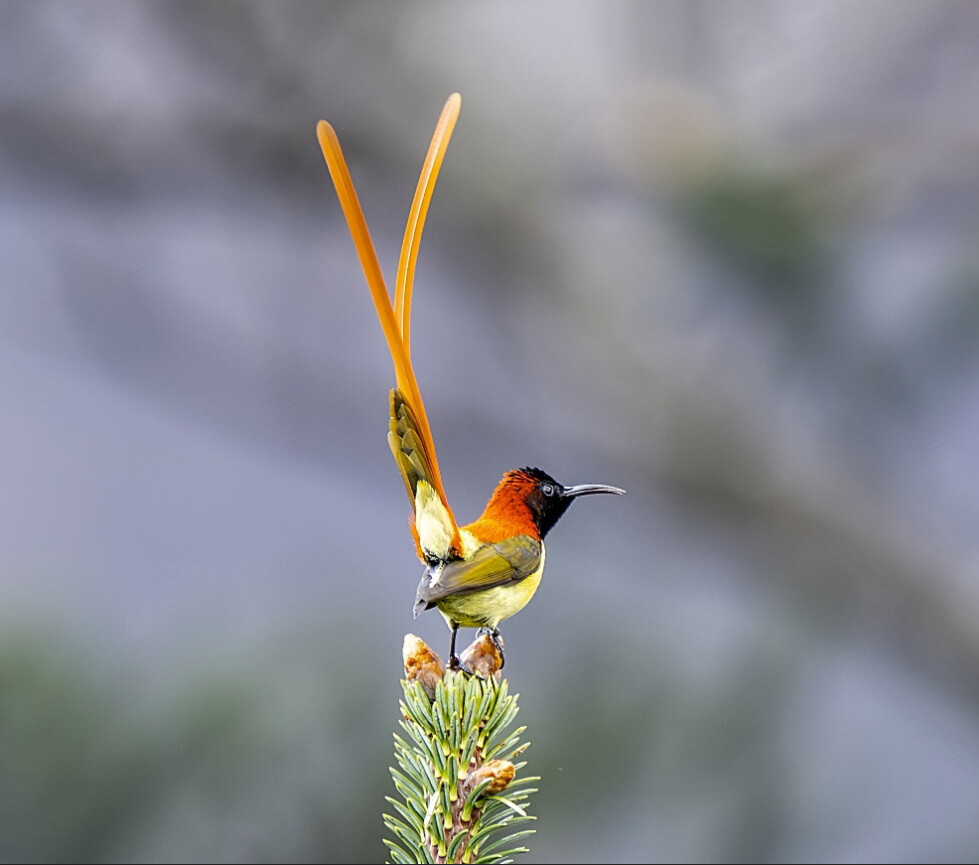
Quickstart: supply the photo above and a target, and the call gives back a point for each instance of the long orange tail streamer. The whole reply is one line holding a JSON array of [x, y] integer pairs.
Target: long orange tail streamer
[[416, 216], [395, 320]]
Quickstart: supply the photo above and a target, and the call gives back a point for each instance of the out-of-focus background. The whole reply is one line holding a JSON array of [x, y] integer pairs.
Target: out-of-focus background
[[722, 254]]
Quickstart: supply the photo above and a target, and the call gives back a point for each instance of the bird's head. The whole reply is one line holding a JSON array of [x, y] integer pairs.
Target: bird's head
[[545, 499]]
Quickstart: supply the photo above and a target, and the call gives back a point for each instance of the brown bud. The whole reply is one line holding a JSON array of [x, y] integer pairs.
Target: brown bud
[[499, 772], [483, 657], [422, 665]]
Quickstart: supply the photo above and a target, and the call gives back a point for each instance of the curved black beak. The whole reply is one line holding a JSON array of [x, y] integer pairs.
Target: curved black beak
[[590, 490]]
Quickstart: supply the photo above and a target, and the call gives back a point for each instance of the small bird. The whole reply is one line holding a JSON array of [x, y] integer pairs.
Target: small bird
[[478, 574]]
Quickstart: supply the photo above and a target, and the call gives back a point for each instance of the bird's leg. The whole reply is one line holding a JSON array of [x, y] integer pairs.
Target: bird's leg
[[497, 639], [454, 663], [494, 635]]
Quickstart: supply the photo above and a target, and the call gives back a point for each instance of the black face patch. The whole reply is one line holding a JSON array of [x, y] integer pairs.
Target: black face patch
[[547, 501]]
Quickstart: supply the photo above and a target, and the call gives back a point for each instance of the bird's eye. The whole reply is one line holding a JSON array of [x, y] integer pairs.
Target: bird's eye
[[547, 489]]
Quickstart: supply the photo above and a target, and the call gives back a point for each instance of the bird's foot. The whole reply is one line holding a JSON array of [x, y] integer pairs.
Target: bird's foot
[[457, 666]]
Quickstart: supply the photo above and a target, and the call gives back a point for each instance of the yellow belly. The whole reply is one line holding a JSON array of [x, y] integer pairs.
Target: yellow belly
[[486, 609]]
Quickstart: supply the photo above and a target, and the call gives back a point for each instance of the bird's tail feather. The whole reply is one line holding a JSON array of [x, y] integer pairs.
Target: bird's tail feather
[[410, 435]]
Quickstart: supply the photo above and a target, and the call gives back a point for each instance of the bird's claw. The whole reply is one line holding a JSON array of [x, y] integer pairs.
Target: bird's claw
[[458, 667]]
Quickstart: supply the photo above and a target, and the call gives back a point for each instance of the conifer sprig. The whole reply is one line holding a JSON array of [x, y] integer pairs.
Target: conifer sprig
[[456, 761]]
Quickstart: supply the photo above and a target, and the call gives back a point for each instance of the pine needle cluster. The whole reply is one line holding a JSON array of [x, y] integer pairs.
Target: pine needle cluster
[[456, 775]]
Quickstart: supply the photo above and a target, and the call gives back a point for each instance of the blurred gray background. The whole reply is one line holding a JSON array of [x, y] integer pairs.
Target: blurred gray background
[[722, 254]]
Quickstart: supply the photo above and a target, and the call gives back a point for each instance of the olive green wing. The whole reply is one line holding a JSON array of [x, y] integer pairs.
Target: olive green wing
[[492, 565]]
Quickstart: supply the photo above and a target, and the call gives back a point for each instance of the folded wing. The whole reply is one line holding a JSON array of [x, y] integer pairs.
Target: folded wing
[[502, 563]]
